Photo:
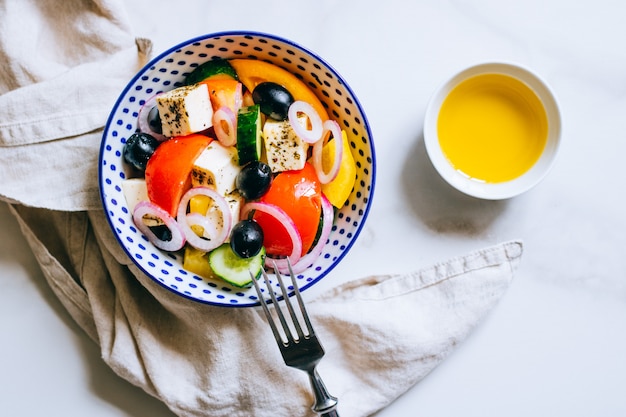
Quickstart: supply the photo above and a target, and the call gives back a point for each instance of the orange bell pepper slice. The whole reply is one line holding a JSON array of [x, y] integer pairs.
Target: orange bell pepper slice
[[252, 72]]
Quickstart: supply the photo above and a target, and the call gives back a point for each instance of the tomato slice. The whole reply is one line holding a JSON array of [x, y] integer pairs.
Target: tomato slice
[[169, 168], [299, 194]]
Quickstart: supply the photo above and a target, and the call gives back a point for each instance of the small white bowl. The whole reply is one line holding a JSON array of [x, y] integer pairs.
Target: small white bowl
[[493, 190]]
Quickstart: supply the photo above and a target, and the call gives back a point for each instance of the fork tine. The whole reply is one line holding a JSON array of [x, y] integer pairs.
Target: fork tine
[[278, 308], [283, 288], [305, 315], [270, 319], [279, 311]]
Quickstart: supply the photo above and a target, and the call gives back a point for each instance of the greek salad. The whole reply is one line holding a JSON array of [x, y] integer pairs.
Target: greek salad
[[240, 167]]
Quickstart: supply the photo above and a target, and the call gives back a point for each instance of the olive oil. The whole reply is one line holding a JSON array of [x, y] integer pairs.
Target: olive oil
[[492, 128]]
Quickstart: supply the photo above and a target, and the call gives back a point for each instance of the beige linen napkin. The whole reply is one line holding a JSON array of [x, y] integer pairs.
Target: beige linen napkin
[[199, 360], [213, 361], [63, 66]]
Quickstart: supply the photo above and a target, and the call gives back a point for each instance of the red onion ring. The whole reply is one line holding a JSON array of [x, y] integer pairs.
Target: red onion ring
[[187, 220], [307, 260], [330, 126], [311, 135], [225, 116], [143, 121], [280, 215], [208, 225], [148, 208]]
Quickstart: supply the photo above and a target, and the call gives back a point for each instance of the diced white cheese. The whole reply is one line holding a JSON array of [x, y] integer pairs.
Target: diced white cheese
[[284, 150], [234, 201], [185, 110], [216, 167], [135, 191]]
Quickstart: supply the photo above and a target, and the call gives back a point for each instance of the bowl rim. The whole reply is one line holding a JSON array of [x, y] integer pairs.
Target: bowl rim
[[500, 190], [215, 35]]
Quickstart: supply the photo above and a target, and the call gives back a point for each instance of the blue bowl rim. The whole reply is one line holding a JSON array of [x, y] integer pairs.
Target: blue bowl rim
[[214, 35]]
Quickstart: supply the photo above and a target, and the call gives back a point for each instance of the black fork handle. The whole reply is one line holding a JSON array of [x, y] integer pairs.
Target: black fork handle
[[332, 413]]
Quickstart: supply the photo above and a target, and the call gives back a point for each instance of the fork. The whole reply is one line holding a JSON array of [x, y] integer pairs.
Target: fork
[[303, 350]]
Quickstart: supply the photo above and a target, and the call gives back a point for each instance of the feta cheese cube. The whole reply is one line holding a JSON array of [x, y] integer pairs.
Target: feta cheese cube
[[135, 191], [284, 150], [185, 110], [216, 167], [234, 201]]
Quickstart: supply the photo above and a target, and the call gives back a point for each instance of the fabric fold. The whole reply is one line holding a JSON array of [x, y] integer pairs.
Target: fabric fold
[[59, 271], [386, 333], [382, 334], [75, 102], [65, 68]]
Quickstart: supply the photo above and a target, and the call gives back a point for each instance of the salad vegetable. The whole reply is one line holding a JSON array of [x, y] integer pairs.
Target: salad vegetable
[[213, 69], [252, 72], [168, 170], [247, 182], [249, 138], [299, 195], [232, 268]]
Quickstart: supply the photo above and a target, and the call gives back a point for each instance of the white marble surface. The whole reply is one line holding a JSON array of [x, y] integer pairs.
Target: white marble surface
[[556, 343]]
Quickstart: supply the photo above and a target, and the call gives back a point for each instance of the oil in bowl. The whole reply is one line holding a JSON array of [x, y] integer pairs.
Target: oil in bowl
[[492, 131], [492, 127]]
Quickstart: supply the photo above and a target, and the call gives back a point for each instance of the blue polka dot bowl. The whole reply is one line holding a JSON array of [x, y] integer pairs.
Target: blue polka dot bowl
[[166, 72]]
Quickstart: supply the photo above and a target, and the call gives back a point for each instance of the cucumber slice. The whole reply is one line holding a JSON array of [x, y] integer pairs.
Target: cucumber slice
[[210, 69], [249, 134], [234, 269]]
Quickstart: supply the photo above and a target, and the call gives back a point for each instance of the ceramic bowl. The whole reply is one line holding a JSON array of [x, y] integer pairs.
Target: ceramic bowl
[[166, 72], [501, 189]]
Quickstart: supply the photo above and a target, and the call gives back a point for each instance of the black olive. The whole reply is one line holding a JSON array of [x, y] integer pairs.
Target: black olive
[[138, 148], [162, 232], [273, 99], [254, 180], [154, 120], [246, 238]]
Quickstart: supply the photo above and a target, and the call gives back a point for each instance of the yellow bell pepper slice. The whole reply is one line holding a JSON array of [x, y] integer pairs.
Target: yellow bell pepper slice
[[197, 262], [338, 190]]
